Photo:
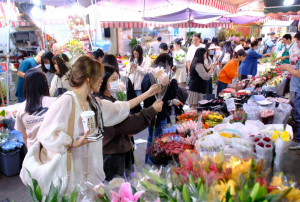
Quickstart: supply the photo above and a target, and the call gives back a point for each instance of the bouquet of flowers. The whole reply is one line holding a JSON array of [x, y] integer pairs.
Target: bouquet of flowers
[[179, 57], [210, 119], [188, 116], [161, 78], [239, 115], [122, 93]]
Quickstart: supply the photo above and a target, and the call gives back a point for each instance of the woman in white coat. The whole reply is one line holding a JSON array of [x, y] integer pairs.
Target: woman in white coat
[[87, 158], [179, 63], [137, 67]]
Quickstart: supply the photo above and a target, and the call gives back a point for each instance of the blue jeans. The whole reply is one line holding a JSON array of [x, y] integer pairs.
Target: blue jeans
[[158, 131], [221, 86], [21, 99], [138, 92], [295, 102]]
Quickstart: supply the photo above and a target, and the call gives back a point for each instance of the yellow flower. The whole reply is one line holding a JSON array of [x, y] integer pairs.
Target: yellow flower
[[277, 181], [222, 189]]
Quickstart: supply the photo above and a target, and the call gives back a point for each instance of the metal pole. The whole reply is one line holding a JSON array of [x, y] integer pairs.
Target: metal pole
[[142, 43], [8, 52], [189, 23], [96, 28], [43, 25]]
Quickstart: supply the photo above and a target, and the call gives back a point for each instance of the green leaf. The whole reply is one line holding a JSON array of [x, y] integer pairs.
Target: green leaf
[[38, 193], [31, 191], [153, 176], [254, 191], [201, 191], [199, 182], [206, 169], [2, 113], [74, 195], [228, 195], [192, 184], [242, 195], [185, 194], [264, 190]]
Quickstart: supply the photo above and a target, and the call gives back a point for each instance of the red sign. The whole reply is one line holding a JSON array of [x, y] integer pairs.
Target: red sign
[[3, 66]]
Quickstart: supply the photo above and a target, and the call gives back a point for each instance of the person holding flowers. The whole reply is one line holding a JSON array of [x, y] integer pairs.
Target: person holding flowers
[[155, 129], [137, 68], [199, 74], [179, 63], [117, 147]]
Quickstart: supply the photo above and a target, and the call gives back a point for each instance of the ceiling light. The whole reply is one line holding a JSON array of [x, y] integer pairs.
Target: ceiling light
[[288, 2], [170, 29], [107, 3]]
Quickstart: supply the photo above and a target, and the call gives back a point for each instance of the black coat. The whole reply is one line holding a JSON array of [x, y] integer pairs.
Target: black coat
[[170, 95], [131, 95]]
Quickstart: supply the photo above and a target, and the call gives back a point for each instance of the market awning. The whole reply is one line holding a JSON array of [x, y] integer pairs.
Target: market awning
[[13, 14], [268, 18], [162, 25], [184, 15], [15, 24], [277, 6], [243, 17]]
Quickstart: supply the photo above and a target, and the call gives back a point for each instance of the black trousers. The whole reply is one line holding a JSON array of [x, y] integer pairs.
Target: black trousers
[[209, 86], [118, 165], [244, 77]]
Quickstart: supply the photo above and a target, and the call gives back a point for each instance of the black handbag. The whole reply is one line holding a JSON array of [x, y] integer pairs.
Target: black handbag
[[59, 91]]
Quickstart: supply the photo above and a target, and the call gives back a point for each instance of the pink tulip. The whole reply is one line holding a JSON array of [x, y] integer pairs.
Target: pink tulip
[[230, 39], [234, 37], [122, 87], [125, 194], [237, 39]]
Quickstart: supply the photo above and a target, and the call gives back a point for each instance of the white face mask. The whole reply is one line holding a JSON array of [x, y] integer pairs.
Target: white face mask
[[114, 87], [47, 66]]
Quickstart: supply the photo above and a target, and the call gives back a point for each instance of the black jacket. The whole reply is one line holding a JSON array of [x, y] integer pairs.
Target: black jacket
[[170, 95], [131, 95]]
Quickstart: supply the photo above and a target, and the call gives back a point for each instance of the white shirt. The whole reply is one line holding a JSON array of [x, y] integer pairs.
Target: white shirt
[[30, 123], [192, 50], [88, 158], [154, 48], [137, 75], [260, 49], [292, 50], [59, 83]]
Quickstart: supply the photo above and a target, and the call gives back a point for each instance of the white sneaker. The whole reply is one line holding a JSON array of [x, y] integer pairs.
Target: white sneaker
[[295, 145]]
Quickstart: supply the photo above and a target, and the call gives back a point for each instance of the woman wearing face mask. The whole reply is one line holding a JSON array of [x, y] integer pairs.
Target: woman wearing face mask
[[137, 67], [117, 147], [212, 59], [48, 66], [249, 65], [200, 73], [110, 59], [87, 162], [60, 79]]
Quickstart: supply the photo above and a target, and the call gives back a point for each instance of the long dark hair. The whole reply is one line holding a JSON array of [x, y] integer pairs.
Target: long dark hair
[[61, 61], [207, 47], [98, 53], [109, 70], [215, 40], [138, 49], [206, 40], [35, 87], [199, 57], [111, 60], [47, 55]]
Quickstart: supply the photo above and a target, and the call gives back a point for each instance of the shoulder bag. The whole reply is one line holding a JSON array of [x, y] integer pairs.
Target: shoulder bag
[[59, 91], [58, 167]]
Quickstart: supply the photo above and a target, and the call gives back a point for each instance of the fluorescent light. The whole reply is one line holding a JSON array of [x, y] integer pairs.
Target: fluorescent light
[[170, 29], [107, 3], [36, 2], [288, 2], [36, 12]]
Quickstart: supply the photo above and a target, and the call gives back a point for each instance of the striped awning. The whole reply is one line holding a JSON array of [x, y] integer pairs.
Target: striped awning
[[162, 25], [268, 18], [221, 5], [14, 24], [294, 17]]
